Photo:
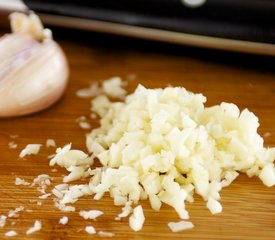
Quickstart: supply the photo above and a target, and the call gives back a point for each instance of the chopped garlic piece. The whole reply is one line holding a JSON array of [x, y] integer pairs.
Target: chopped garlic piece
[[60, 154], [100, 105], [214, 206], [105, 234], [30, 149], [12, 145], [66, 157], [62, 206], [68, 209], [180, 226], [63, 186], [45, 196], [126, 211], [35, 228], [90, 230], [11, 233], [92, 214], [137, 219], [20, 181], [43, 181], [90, 92], [14, 213], [3, 219], [57, 193], [230, 176], [50, 143], [85, 125], [64, 220], [113, 87], [267, 175]]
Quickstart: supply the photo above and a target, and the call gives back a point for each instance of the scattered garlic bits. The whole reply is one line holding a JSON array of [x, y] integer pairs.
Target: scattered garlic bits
[[75, 161], [92, 214], [14, 213], [20, 181], [85, 125], [90, 230], [82, 121], [105, 234], [112, 87], [3, 219], [45, 196], [92, 91], [180, 226], [64, 220], [12, 145], [42, 181], [30, 149], [50, 143], [164, 145], [35, 228], [11, 233]]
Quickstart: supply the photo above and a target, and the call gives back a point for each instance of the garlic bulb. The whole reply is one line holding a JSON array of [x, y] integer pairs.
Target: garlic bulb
[[33, 68]]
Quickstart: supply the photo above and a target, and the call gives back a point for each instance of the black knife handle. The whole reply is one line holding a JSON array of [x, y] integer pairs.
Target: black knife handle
[[235, 19]]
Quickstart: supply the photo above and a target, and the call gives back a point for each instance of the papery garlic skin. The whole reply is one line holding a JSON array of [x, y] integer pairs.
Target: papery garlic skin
[[10, 47], [33, 71]]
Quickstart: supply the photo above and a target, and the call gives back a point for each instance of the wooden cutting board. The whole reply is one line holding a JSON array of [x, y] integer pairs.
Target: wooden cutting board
[[249, 206]]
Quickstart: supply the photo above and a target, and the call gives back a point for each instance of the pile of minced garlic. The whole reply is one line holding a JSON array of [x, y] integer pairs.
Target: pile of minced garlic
[[163, 145]]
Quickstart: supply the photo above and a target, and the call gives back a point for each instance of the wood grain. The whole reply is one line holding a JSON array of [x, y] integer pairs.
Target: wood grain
[[249, 206]]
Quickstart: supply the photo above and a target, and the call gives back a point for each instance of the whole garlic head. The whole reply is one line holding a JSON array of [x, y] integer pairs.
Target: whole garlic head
[[33, 68]]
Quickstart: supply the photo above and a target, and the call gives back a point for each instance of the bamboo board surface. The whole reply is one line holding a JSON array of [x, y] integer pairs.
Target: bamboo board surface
[[248, 206]]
